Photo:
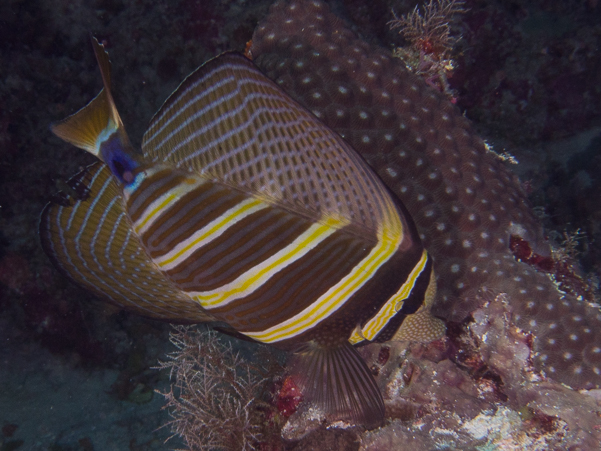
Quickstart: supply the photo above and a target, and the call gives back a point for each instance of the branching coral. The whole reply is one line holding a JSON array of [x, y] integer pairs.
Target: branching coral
[[431, 41], [430, 31], [213, 398]]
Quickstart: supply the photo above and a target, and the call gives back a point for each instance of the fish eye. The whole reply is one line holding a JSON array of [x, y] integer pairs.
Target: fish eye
[[118, 168]]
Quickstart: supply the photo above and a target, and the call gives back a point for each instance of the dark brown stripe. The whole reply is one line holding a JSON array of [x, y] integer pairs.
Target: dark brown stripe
[[298, 285], [411, 304], [188, 215], [359, 307], [90, 252], [244, 245], [380, 288], [151, 188]]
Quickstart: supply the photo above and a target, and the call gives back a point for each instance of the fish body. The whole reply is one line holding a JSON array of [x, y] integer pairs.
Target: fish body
[[244, 208]]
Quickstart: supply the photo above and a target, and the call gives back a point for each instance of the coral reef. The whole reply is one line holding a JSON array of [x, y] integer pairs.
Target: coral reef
[[566, 195], [465, 202], [483, 393], [475, 389]]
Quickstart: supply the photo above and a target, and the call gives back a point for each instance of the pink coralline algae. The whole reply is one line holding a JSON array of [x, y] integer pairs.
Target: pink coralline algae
[[464, 200]]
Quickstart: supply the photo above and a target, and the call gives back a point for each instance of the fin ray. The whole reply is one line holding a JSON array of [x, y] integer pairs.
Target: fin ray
[[83, 128], [339, 382], [98, 119], [104, 64]]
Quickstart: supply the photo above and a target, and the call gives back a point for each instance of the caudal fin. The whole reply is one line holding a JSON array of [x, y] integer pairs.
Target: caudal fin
[[83, 128], [98, 120], [339, 382]]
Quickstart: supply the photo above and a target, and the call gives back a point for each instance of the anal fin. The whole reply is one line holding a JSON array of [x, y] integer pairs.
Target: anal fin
[[339, 382]]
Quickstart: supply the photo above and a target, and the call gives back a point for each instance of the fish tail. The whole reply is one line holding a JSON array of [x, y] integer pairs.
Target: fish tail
[[338, 381], [95, 123]]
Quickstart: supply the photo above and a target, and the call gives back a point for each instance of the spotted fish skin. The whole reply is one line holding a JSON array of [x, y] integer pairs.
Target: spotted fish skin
[[245, 205], [465, 203]]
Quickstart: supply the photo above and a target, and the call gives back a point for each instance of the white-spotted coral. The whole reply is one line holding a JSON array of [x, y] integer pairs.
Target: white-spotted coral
[[469, 208]]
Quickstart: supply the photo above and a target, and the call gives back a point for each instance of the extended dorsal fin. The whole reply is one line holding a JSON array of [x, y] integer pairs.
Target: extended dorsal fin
[[232, 124]]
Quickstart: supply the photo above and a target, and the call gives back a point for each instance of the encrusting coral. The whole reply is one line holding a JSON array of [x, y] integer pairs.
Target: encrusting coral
[[466, 203], [482, 393]]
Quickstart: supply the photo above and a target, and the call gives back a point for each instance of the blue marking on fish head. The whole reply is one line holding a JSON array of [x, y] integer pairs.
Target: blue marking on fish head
[[120, 159]]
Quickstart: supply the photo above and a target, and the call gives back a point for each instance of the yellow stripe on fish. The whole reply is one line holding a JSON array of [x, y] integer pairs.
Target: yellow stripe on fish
[[185, 248], [259, 274], [163, 202], [333, 299], [376, 324]]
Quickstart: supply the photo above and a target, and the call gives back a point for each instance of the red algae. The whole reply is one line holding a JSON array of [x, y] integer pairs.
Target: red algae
[[288, 398]]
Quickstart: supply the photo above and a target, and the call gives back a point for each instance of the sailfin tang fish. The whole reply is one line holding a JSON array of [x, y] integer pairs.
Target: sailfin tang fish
[[244, 208]]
